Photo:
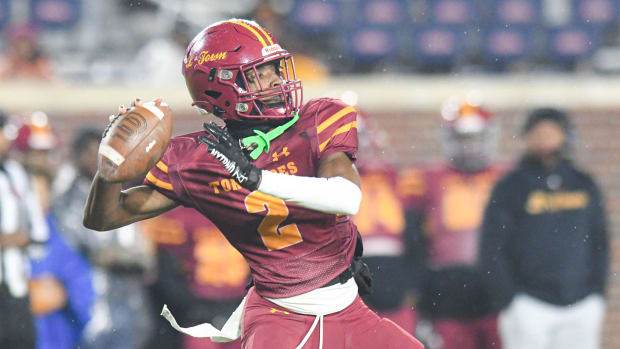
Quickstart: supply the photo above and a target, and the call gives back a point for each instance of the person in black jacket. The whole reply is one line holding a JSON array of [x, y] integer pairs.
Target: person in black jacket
[[544, 245]]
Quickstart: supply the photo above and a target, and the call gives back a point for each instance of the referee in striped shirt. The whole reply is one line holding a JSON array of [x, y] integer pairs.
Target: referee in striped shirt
[[22, 232]]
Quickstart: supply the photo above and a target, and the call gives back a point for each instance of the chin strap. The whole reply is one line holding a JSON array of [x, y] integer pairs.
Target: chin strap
[[262, 140]]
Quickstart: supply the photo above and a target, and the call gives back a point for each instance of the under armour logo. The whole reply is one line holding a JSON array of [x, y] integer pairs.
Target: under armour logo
[[284, 153]]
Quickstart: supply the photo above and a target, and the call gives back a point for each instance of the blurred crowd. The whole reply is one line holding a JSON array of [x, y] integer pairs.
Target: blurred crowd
[[466, 253], [85, 41], [63, 286]]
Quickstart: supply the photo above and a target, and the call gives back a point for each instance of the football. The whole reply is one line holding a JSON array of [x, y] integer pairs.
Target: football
[[134, 142]]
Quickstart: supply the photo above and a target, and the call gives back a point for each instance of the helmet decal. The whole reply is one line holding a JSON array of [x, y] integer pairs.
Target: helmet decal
[[205, 56], [254, 28], [267, 50]]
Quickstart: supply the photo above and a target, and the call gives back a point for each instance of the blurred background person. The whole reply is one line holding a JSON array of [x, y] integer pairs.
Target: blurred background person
[[544, 249], [61, 290], [158, 60], [200, 276], [381, 222], [24, 59], [21, 225], [61, 293], [444, 204], [120, 259], [37, 148]]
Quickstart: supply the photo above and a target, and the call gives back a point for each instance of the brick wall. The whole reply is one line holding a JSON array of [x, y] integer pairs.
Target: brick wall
[[414, 139]]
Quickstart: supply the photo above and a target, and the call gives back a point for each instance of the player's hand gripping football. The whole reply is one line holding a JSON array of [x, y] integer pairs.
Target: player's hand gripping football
[[135, 140], [226, 150]]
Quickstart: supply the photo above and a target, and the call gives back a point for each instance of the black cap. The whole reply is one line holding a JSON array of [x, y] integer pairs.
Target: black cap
[[547, 114]]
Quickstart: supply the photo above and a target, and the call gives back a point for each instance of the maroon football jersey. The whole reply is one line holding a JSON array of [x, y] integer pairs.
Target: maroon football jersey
[[452, 203], [290, 249], [381, 218], [214, 269]]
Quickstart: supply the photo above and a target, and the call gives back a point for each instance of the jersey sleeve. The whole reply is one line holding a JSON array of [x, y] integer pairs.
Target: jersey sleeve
[[337, 129], [163, 177], [412, 188]]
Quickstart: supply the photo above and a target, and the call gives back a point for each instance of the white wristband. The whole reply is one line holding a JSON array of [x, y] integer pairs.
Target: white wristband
[[329, 195]]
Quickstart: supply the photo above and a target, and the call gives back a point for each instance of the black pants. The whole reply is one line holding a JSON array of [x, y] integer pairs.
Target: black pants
[[16, 322]]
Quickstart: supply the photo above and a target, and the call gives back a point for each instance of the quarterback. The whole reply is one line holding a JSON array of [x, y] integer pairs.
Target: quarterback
[[279, 182]]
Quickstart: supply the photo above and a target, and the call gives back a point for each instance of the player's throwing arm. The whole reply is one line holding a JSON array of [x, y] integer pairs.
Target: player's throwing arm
[[132, 144]]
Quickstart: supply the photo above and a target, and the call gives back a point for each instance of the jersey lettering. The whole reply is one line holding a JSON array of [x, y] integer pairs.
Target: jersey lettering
[[274, 237], [290, 168], [225, 184], [541, 202]]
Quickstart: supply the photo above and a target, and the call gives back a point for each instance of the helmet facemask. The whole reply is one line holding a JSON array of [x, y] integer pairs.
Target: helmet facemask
[[470, 152], [266, 102], [270, 102], [469, 136]]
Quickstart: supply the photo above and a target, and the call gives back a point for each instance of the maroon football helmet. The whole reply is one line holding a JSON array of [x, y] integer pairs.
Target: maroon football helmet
[[215, 67], [36, 134]]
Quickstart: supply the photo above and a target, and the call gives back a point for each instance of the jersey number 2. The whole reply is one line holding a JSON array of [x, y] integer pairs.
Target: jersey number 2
[[274, 237]]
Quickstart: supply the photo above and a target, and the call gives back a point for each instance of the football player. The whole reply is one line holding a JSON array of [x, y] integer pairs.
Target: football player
[[279, 181], [445, 204], [381, 221], [37, 149], [200, 275]]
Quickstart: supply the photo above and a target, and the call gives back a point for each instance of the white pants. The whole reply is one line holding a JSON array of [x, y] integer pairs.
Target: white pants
[[529, 323]]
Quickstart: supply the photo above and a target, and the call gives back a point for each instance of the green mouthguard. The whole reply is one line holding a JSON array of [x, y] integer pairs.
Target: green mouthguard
[[263, 140]]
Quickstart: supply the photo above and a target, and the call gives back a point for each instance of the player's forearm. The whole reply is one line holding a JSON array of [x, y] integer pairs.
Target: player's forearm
[[329, 195], [102, 205], [109, 208], [336, 189]]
